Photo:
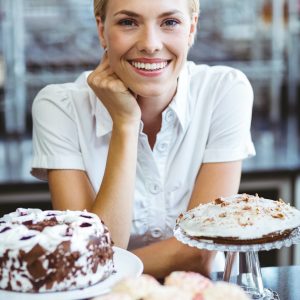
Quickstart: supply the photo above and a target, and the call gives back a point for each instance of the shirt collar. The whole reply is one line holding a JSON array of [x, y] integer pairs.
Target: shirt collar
[[179, 104]]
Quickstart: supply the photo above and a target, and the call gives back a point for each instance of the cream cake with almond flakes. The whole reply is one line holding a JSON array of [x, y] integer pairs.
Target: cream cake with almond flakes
[[240, 219]]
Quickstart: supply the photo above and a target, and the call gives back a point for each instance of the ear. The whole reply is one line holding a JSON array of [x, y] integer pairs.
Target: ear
[[193, 29], [100, 29]]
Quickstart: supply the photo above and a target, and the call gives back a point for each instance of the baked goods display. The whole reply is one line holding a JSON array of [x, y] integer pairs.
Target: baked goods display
[[136, 288], [46, 251], [177, 286], [240, 219]]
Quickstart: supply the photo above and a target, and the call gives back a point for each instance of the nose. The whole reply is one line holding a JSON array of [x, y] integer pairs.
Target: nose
[[149, 40]]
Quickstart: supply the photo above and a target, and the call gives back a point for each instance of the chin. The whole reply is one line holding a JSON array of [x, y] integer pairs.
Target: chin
[[149, 92], [152, 94]]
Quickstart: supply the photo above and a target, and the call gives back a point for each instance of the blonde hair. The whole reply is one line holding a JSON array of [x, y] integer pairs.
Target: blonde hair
[[100, 7]]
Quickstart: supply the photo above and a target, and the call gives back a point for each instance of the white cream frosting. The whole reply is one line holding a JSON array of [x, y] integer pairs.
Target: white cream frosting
[[51, 236], [77, 227], [243, 217]]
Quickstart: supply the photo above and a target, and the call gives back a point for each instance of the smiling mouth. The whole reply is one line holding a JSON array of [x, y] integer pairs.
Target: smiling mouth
[[149, 66]]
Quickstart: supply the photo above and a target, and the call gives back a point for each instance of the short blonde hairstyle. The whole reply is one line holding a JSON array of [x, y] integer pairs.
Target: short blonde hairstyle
[[100, 7]]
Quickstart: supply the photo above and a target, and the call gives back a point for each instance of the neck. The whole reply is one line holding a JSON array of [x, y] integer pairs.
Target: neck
[[152, 108]]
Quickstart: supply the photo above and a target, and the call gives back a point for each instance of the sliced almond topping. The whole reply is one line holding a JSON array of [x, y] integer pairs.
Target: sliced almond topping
[[278, 216], [247, 207], [208, 220], [222, 215]]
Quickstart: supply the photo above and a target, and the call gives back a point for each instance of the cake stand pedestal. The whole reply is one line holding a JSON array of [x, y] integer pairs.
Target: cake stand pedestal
[[242, 264], [243, 269]]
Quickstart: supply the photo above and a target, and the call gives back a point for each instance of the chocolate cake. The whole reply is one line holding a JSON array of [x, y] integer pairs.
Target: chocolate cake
[[240, 219], [46, 251]]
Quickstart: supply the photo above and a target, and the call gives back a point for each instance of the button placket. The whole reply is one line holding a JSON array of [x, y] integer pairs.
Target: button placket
[[156, 233], [170, 116], [154, 188], [162, 146]]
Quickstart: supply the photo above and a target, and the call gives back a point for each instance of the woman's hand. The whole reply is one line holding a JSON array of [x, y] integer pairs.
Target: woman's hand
[[116, 97]]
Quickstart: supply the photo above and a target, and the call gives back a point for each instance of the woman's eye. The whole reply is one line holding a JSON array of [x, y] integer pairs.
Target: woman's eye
[[127, 23], [171, 22]]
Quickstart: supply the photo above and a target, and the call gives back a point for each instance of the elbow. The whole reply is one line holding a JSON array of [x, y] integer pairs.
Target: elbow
[[196, 260]]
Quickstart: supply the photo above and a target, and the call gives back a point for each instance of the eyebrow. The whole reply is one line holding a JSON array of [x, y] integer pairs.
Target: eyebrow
[[133, 14]]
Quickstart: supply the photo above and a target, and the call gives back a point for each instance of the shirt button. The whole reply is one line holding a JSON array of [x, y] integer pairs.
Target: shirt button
[[154, 188], [156, 233], [169, 116], [162, 147]]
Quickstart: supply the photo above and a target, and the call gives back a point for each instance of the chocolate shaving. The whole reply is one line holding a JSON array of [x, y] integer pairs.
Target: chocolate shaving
[[39, 226], [85, 225], [5, 229], [218, 201], [51, 214], [87, 217], [24, 238]]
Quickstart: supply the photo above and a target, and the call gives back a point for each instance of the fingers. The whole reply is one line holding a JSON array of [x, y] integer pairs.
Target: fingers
[[103, 77], [102, 71], [104, 63], [132, 93], [104, 57]]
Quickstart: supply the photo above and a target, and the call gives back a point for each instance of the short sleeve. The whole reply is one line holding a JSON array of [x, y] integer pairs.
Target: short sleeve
[[55, 137], [229, 136]]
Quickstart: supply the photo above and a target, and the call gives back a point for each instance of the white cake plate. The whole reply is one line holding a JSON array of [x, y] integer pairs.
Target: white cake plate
[[126, 264], [242, 264]]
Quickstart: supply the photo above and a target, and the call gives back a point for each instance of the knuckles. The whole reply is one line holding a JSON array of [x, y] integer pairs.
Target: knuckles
[[97, 82], [93, 80]]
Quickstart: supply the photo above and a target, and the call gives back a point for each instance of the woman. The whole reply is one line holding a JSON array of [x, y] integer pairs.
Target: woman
[[146, 135]]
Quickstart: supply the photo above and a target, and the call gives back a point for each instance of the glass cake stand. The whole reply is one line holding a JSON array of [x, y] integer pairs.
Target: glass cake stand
[[242, 264]]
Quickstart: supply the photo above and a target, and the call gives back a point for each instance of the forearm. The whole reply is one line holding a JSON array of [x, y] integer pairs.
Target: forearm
[[163, 257], [114, 200]]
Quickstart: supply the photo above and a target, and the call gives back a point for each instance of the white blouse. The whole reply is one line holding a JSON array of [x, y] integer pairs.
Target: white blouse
[[207, 121]]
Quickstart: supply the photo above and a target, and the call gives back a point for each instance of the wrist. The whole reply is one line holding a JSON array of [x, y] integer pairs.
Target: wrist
[[132, 126]]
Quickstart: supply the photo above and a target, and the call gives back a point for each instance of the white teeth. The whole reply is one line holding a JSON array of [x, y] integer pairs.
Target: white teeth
[[150, 67]]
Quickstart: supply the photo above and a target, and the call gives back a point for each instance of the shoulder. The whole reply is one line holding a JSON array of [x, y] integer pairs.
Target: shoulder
[[215, 74], [62, 91], [216, 82], [63, 96]]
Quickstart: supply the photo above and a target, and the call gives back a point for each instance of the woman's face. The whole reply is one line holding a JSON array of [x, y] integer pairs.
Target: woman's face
[[147, 42]]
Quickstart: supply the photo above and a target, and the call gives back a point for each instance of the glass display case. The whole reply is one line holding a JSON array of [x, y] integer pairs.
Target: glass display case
[[53, 41], [50, 41]]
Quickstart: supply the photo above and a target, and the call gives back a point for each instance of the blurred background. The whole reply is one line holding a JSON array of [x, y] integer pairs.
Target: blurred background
[[53, 41]]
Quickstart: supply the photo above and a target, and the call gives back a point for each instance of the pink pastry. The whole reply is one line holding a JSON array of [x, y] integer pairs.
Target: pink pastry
[[136, 288], [190, 282], [168, 293]]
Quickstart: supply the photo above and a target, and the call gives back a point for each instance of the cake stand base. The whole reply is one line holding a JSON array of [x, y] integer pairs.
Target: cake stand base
[[243, 269], [242, 263], [268, 294]]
